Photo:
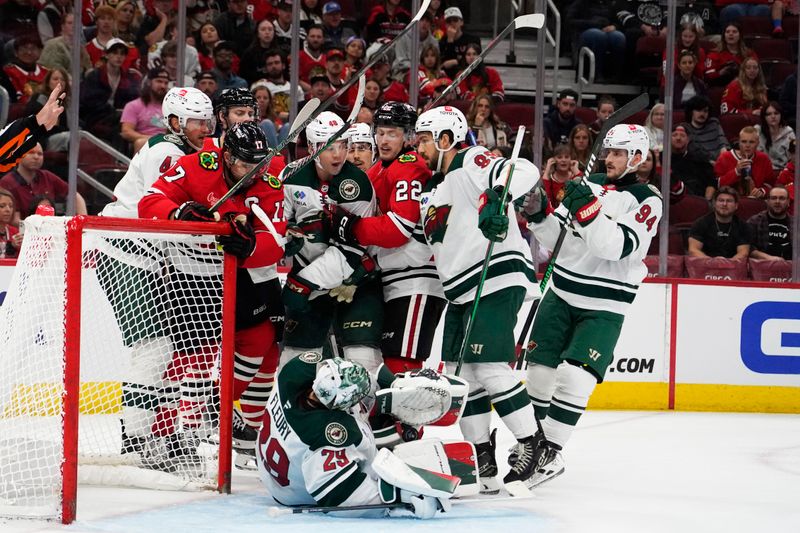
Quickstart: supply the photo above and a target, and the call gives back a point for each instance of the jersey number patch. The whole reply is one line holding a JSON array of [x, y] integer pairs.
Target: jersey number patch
[[176, 174], [406, 191], [165, 164], [642, 215], [273, 456], [334, 459]]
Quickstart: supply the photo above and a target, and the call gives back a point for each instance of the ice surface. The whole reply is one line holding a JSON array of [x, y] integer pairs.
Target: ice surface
[[627, 471]]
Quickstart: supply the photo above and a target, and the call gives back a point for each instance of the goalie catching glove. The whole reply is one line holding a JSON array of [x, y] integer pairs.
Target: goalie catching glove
[[422, 397]]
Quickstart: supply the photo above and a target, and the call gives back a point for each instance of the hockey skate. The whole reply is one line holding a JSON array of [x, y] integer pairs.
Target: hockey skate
[[172, 454], [244, 436], [513, 452], [525, 465], [549, 464], [487, 465], [130, 443]]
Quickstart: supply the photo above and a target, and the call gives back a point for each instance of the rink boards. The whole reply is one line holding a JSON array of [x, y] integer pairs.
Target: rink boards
[[692, 345]]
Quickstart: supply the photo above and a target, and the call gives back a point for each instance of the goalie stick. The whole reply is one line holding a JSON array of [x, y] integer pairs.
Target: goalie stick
[[298, 126], [488, 257], [623, 113], [535, 20]]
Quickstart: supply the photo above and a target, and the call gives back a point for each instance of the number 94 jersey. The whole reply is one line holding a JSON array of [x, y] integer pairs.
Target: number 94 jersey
[[310, 455]]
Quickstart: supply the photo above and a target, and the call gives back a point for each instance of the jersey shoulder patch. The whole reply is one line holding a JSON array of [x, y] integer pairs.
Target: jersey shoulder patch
[[407, 158], [643, 191], [272, 181], [208, 160]]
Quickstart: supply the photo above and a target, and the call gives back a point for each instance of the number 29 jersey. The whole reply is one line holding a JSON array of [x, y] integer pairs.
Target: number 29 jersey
[[308, 455]]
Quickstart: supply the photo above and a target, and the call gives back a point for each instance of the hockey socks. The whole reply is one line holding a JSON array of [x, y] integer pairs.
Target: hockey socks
[[574, 386], [541, 384]]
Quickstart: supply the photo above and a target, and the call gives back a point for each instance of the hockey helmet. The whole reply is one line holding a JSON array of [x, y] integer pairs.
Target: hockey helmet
[[323, 128], [396, 114], [238, 97], [360, 133], [186, 103], [441, 119], [246, 142], [631, 138], [341, 384]]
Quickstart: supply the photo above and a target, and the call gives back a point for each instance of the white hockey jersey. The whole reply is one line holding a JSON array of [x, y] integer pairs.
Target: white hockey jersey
[[600, 266], [450, 222]]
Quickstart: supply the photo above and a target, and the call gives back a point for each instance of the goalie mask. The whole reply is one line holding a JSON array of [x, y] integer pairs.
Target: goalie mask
[[629, 137], [341, 384]]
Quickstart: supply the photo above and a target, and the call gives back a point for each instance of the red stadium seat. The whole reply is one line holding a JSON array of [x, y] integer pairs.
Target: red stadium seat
[[461, 105], [688, 209], [587, 115], [675, 246], [778, 74], [790, 25], [638, 118], [773, 49], [648, 57], [777, 270], [749, 207], [732, 124], [516, 114], [755, 26], [674, 266], [715, 95], [716, 268], [678, 116]]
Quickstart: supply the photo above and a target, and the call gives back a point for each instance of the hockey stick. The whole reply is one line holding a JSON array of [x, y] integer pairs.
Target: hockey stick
[[623, 113], [262, 216], [535, 20], [335, 137], [488, 257], [301, 122], [521, 349]]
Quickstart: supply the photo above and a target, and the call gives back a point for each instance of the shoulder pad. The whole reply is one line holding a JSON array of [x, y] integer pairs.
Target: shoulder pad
[[208, 160], [272, 181], [643, 191], [598, 178]]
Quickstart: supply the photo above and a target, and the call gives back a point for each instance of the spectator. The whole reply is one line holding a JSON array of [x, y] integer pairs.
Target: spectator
[[691, 166], [429, 70], [722, 64], [438, 24], [310, 13], [235, 25], [592, 23], [387, 20], [774, 135], [223, 67], [320, 85], [28, 180], [705, 132], [25, 72], [283, 27], [771, 229], [126, 24], [786, 176], [606, 105], [270, 124], [354, 51], [372, 95], [169, 62], [17, 18], [558, 123], [57, 52], [142, 118], [687, 84], [702, 15], [207, 82], [96, 48], [779, 7], [10, 237], [655, 128], [391, 90], [402, 58], [107, 89], [365, 115], [279, 86], [788, 97], [558, 170], [57, 138], [334, 64], [745, 168], [748, 93], [336, 34], [208, 37], [482, 80], [254, 59], [486, 128], [733, 11], [48, 22], [638, 19], [154, 24], [688, 39], [721, 233], [580, 145], [646, 172], [311, 55], [453, 47]]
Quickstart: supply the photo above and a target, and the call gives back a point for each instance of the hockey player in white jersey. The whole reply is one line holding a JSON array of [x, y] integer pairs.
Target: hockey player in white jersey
[[360, 146], [459, 213], [595, 279]]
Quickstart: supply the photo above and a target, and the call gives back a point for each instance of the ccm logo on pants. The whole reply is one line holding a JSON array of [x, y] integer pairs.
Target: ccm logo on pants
[[770, 337]]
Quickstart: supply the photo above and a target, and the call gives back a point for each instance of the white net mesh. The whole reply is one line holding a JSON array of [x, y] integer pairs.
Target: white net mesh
[[151, 316]]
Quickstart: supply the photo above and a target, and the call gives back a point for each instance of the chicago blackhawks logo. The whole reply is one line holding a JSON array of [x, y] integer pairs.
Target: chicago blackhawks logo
[[336, 433], [435, 222], [407, 158], [209, 160], [349, 189], [272, 181]]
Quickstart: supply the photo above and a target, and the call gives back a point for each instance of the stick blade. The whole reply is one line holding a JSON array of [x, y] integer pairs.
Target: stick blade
[[423, 7], [302, 115], [534, 20], [362, 85]]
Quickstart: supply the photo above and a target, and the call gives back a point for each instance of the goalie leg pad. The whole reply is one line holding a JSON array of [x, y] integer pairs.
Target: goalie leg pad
[[396, 472], [457, 458], [142, 396]]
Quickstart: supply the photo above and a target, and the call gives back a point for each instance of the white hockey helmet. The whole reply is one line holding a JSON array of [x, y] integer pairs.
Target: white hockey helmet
[[187, 103], [630, 137], [360, 133], [323, 128], [341, 384], [441, 119]]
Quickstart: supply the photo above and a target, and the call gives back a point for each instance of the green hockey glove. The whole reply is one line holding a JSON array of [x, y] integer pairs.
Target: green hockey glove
[[581, 202], [494, 226]]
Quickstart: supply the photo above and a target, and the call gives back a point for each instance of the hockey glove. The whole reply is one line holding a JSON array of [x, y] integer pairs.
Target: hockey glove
[[293, 245], [195, 211], [365, 271], [421, 506], [296, 292], [581, 202], [343, 225], [314, 230], [494, 226], [533, 206], [242, 240]]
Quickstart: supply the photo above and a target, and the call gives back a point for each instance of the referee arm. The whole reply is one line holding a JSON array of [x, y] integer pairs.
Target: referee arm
[[17, 138]]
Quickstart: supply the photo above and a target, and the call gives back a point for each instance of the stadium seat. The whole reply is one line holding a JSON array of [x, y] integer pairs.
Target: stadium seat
[[715, 95], [675, 246], [777, 270], [516, 114], [461, 105], [712, 268], [688, 209], [639, 118], [773, 50], [749, 207], [678, 116], [778, 73], [790, 25], [674, 266], [587, 115], [648, 58], [756, 26], [732, 124]]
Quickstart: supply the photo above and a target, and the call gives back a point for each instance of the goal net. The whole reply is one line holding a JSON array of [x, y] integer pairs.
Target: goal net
[[112, 337]]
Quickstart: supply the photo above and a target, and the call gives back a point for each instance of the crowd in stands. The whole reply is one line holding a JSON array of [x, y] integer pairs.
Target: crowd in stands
[[734, 97]]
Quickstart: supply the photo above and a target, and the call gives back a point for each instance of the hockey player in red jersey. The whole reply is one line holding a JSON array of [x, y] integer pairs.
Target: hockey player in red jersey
[[186, 192]]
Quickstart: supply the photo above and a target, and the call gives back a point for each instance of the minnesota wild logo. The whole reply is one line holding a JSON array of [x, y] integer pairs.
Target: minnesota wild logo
[[435, 222]]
